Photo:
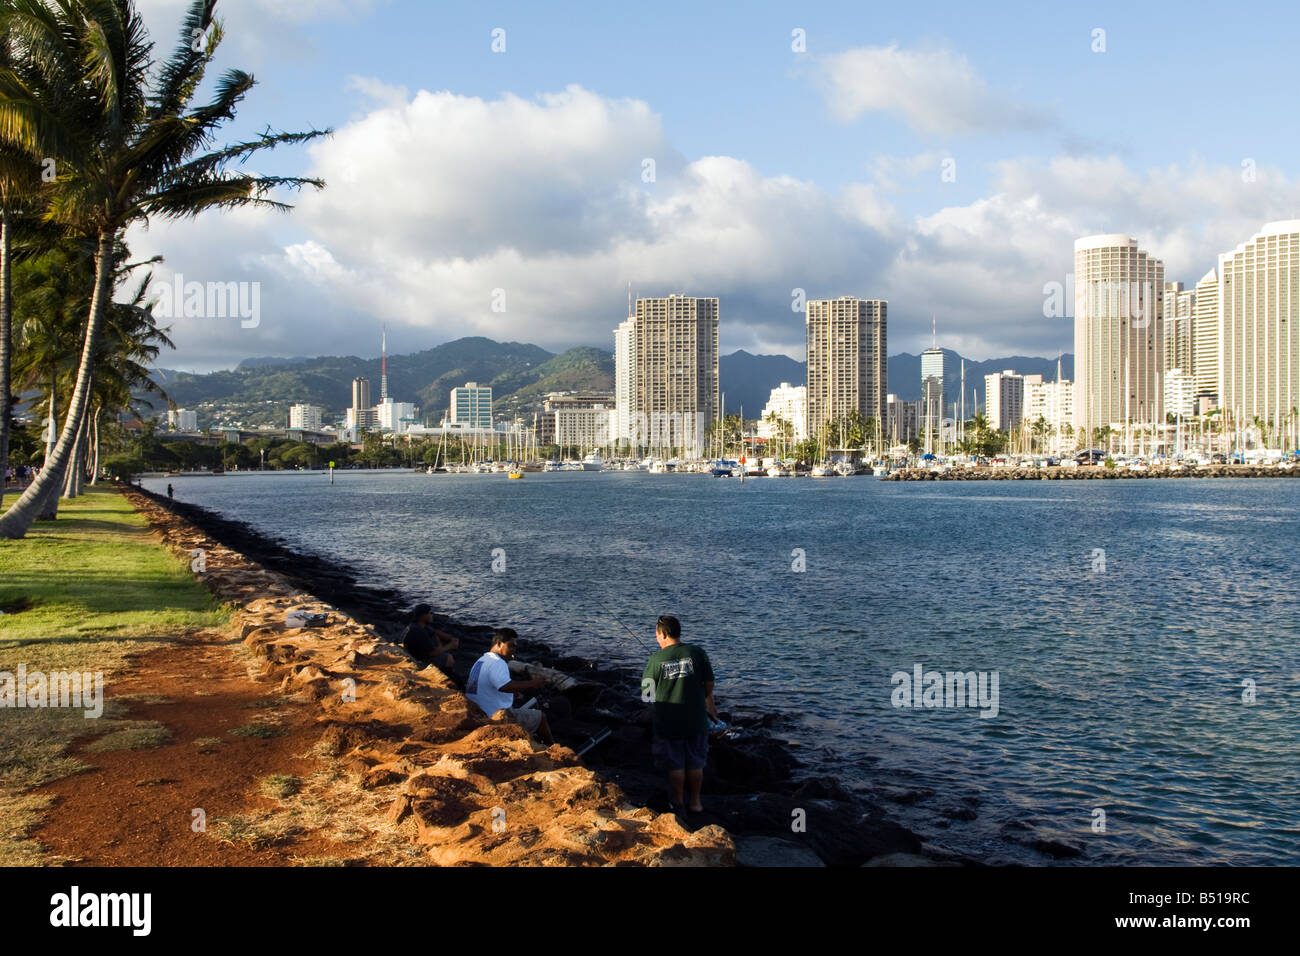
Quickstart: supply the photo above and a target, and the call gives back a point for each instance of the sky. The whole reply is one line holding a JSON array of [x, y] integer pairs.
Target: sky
[[507, 170]]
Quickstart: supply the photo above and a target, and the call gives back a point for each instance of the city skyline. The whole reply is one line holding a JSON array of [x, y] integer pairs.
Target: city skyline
[[946, 179]]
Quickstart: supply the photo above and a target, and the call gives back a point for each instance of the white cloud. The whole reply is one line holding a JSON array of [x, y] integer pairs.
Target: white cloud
[[435, 202], [935, 91]]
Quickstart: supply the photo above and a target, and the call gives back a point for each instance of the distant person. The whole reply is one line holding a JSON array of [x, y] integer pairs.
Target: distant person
[[492, 689], [425, 642], [170, 493], [681, 680]]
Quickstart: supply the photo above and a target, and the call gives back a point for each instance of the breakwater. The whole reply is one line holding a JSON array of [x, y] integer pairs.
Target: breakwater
[[1088, 473]]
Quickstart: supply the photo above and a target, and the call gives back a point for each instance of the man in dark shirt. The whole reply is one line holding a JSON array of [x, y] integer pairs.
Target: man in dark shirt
[[427, 644], [679, 679]]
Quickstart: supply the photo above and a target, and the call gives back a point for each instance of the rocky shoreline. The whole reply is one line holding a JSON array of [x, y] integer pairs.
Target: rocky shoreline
[[1088, 473], [760, 808]]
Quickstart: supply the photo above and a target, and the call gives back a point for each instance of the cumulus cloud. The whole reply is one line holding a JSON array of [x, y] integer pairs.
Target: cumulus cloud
[[440, 206], [934, 91]]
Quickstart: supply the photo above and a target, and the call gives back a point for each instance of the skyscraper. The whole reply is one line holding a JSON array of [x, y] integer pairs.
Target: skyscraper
[[1259, 315], [624, 359], [1004, 395], [1117, 334], [847, 340], [1206, 336], [1176, 309], [673, 365], [931, 392], [362, 413], [471, 405]]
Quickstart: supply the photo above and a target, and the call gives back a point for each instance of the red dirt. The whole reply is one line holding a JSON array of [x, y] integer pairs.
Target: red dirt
[[134, 808]]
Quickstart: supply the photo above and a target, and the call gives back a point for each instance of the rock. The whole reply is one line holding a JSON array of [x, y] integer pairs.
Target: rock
[[771, 851]]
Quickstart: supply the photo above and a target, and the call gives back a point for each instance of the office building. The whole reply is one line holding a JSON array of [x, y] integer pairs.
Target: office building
[[847, 342], [1004, 399], [789, 403], [305, 416], [471, 405], [1118, 344], [673, 367]]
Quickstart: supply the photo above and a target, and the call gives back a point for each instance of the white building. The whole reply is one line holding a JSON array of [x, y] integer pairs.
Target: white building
[[1004, 394], [1259, 328], [1118, 345], [624, 377], [1180, 392], [471, 405], [396, 417], [1054, 403], [305, 416], [789, 403], [182, 420]]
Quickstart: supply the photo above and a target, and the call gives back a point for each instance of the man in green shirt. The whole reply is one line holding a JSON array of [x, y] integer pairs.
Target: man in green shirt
[[679, 679]]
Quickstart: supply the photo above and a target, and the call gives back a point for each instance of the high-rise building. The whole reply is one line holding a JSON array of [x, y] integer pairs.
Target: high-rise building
[[1180, 392], [673, 387], [931, 394], [579, 419], [182, 420], [847, 342], [307, 417], [1177, 307], [1118, 345], [788, 403], [1206, 337], [396, 417], [902, 420], [1053, 403], [1004, 394], [624, 360], [361, 414], [471, 405], [1259, 321]]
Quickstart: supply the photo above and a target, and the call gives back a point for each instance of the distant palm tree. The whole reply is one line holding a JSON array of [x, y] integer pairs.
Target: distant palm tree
[[127, 147]]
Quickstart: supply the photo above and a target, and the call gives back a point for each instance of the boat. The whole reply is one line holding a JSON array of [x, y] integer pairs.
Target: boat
[[515, 474], [592, 462], [778, 471], [821, 471]]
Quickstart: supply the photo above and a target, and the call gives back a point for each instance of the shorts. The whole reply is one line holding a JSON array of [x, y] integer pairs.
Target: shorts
[[689, 754], [529, 719]]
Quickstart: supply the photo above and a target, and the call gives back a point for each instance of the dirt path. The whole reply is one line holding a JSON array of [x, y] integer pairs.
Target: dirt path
[[135, 807]]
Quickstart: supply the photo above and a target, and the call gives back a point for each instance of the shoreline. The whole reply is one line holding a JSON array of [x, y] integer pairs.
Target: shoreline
[[754, 787], [1088, 473]]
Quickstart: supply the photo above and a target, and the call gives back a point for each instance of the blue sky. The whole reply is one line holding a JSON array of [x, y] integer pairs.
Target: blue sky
[[521, 170]]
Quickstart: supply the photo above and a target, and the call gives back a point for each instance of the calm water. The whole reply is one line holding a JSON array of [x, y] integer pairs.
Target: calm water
[[1119, 689]]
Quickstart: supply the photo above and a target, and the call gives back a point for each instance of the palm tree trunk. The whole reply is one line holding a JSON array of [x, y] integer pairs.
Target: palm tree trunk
[[94, 447], [15, 522], [72, 478], [6, 345]]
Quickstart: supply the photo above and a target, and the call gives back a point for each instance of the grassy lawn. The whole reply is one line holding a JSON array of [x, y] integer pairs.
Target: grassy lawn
[[80, 594]]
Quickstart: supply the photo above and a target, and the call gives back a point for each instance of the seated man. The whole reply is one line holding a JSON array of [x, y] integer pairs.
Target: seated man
[[427, 644], [491, 688]]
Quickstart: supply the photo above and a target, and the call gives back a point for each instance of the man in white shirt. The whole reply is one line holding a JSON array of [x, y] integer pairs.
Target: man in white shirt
[[492, 689]]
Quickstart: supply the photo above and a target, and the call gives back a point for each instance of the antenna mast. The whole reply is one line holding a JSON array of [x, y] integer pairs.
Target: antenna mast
[[383, 366]]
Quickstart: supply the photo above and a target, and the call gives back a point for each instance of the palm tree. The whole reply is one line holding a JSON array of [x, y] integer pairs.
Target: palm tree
[[128, 147]]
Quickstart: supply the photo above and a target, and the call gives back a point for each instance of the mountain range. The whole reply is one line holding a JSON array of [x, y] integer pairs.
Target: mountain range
[[260, 389]]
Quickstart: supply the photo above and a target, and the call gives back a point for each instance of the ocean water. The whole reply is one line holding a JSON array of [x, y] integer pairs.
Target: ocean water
[[1128, 623]]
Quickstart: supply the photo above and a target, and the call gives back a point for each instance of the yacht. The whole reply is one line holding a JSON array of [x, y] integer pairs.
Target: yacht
[[592, 462]]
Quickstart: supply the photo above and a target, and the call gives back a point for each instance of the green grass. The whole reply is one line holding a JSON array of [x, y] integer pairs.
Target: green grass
[[86, 591], [280, 786], [95, 575]]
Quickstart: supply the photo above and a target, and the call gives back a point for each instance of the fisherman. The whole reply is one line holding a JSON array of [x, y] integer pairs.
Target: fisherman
[[169, 491], [425, 642], [495, 692], [681, 680]]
